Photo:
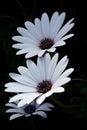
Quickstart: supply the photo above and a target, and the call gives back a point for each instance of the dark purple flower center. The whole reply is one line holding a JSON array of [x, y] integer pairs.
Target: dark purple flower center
[[46, 43], [29, 109], [44, 86]]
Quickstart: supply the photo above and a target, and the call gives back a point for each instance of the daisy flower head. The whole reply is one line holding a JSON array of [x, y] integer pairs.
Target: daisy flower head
[[42, 35], [39, 81], [28, 109]]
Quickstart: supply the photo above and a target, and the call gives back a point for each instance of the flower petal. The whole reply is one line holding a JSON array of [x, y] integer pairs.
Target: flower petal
[[23, 79], [15, 116], [67, 36], [28, 99], [61, 82], [40, 113], [11, 105], [20, 88], [52, 21], [66, 28], [59, 43], [52, 49], [22, 46], [45, 24], [15, 111], [67, 73], [26, 33], [58, 89], [45, 107], [52, 66], [23, 39], [38, 25], [57, 25], [33, 30], [42, 97], [33, 69], [59, 69], [22, 51], [32, 52]]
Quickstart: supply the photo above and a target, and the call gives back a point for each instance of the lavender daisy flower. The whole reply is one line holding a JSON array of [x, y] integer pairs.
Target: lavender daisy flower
[[28, 109]]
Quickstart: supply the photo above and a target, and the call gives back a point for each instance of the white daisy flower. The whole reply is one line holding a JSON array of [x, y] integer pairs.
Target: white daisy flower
[[39, 81], [44, 35], [28, 109]]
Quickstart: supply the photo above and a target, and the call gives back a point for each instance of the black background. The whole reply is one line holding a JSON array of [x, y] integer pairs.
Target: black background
[[14, 13]]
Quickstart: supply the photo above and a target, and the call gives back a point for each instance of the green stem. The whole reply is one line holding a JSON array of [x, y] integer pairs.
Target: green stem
[[8, 17], [79, 79], [61, 104], [61, 5], [32, 122], [22, 9]]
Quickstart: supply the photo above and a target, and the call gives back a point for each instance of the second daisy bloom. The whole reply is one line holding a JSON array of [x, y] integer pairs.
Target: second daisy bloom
[[39, 81]]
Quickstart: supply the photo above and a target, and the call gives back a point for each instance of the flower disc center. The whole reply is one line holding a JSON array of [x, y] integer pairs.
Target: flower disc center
[[46, 43], [29, 109], [44, 86]]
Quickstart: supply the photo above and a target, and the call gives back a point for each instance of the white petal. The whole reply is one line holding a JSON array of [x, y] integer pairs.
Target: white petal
[[42, 97], [24, 71], [67, 73], [18, 97], [33, 30], [59, 43], [40, 113], [52, 65], [43, 64], [28, 99], [23, 79], [41, 52], [44, 107], [49, 93], [33, 69], [47, 60], [61, 82], [58, 89], [41, 67], [32, 52], [11, 105], [66, 28], [67, 36], [32, 96], [52, 49], [45, 24], [25, 50], [15, 111], [52, 22], [23, 102], [15, 116], [59, 68], [48, 105], [24, 98], [22, 46], [26, 33], [58, 24], [23, 39], [20, 88], [38, 25]]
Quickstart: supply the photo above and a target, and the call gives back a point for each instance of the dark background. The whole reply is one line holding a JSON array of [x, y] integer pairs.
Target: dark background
[[13, 13]]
